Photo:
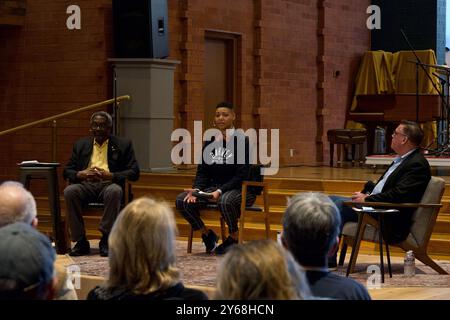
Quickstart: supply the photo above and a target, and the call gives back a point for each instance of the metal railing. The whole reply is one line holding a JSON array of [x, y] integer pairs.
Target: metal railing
[[63, 115]]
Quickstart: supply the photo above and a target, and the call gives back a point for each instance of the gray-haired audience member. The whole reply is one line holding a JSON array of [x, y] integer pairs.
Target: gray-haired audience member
[[311, 225], [17, 204], [26, 264]]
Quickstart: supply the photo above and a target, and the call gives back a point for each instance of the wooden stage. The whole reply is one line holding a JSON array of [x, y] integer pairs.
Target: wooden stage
[[288, 181], [378, 160]]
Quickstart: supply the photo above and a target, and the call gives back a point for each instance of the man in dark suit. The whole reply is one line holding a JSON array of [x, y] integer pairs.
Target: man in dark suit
[[97, 170], [404, 181]]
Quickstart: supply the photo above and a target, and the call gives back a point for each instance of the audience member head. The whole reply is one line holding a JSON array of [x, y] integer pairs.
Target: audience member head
[[260, 270], [16, 204], [142, 248], [101, 126], [26, 264], [311, 228]]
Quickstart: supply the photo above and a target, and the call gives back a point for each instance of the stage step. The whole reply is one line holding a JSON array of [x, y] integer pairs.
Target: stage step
[[166, 186]]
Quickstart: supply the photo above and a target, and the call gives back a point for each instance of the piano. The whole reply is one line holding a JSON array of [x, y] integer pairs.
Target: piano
[[386, 110]]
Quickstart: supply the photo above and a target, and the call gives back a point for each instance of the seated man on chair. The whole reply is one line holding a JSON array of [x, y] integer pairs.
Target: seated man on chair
[[97, 170], [404, 181]]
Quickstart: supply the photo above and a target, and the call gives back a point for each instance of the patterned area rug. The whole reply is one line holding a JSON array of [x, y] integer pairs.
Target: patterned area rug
[[200, 268], [424, 277], [197, 268]]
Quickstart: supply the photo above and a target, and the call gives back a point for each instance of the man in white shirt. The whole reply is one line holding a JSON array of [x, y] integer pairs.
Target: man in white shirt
[[404, 181]]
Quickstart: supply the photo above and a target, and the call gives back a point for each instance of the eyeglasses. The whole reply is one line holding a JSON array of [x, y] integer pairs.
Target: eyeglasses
[[96, 126], [397, 133]]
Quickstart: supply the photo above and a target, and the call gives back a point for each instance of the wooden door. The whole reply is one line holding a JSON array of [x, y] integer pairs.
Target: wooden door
[[219, 73]]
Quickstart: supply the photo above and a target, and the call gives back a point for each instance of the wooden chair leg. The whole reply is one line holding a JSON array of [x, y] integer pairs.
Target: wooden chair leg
[[356, 244], [339, 150], [331, 153], [241, 227], [380, 243], [423, 257], [222, 229], [353, 153], [388, 259], [267, 222], [343, 251], [361, 153], [242, 218], [190, 236], [266, 212]]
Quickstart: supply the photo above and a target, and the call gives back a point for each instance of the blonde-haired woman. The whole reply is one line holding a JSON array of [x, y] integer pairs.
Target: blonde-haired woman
[[260, 269], [142, 256]]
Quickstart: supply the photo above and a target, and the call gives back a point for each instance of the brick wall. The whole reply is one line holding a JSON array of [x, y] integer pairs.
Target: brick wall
[[288, 69], [288, 55], [346, 38], [46, 69]]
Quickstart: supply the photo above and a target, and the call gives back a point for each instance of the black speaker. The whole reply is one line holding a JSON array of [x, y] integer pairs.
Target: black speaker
[[140, 28]]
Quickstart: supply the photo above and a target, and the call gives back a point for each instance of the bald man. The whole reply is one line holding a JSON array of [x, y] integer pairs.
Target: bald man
[[16, 204]]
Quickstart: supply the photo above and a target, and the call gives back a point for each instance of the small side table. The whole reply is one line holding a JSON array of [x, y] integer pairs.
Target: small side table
[[48, 172], [359, 236]]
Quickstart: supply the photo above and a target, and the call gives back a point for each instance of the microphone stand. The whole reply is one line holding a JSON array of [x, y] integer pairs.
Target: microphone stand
[[445, 111], [444, 102], [417, 90], [443, 121]]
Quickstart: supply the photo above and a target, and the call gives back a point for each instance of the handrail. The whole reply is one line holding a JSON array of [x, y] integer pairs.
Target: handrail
[[65, 114]]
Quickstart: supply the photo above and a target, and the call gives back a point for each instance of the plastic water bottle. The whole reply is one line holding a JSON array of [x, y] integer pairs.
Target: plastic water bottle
[[279, 238], [410, 264]]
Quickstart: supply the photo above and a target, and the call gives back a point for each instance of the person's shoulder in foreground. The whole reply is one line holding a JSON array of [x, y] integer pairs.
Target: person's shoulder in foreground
[[176, 292], [328, 284]]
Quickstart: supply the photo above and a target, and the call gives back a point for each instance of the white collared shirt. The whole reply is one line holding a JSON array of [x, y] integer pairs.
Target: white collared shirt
[[397, 161]]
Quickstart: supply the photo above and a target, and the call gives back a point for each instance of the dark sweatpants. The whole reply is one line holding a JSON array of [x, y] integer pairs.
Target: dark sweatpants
[[229, 204]]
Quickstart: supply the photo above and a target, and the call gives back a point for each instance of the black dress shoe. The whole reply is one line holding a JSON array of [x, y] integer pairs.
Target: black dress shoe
[[81, 248], [103, 246]]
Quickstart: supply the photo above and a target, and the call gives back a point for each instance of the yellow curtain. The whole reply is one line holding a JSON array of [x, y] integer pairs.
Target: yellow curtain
[[384, 72], [375, 75], [404, 72]]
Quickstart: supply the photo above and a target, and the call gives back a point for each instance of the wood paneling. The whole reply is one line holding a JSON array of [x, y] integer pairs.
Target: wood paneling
[[13, 12]]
